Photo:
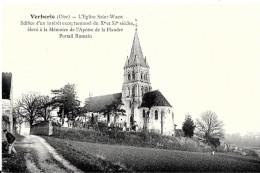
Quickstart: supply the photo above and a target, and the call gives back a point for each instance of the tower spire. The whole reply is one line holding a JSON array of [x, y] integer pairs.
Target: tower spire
[[136, 55], [136, 25]]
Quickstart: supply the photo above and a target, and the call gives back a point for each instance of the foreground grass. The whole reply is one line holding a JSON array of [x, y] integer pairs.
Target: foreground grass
[[14, 162], [82, 155], [81, 159]]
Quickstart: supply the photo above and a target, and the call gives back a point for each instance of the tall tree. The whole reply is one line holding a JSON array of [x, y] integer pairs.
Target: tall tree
[[28, 106], [18, 117], [45, 107], [188, 126], [66, 98], [209, 125]]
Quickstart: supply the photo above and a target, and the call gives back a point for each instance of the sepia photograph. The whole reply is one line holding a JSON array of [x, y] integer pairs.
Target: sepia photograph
[[130, 86]]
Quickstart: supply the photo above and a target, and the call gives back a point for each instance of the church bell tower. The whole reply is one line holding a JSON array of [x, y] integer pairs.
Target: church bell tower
[[136, 81]]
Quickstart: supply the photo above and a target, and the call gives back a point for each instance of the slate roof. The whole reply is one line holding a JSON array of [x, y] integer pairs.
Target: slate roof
[[136, 55], [154, 98], [103, 103]]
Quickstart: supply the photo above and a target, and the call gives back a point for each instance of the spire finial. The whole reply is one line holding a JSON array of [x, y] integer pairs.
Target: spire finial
[[136, 24]]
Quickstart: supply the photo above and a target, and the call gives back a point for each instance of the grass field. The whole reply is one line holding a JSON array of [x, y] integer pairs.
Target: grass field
[[81, 159], [150, 159]]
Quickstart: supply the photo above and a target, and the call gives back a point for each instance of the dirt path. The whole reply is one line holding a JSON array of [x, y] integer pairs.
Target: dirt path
[[41, 157]]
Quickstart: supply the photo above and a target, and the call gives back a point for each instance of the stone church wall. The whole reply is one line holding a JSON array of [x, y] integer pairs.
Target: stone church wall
[[153, 124]]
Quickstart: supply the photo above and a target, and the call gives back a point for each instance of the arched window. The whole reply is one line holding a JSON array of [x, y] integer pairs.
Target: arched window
[[141, 75], [133, 91], [143, 113], [129, 76], [133, 75], [146, 89], [142, 90], [128, 92], [156, 115]]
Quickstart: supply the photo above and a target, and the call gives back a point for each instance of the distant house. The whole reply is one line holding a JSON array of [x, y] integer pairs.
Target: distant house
[[143, 107]]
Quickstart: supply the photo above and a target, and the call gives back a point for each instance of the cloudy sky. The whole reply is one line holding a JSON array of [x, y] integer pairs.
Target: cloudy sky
[[201, 56]]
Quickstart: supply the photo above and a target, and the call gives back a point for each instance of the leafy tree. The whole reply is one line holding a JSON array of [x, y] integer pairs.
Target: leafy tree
[[209, 125], [45, 107], [66, 99], [188, 126], [214, 142]]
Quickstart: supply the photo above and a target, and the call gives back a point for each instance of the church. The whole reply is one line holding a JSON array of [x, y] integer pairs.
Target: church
[[137, 105]]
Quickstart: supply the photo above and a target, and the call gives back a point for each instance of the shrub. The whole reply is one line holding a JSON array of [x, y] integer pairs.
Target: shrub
[[188, 126], [5, 146], [5, 118], [250, 152], [139, 139], [102, 126], [115, 129]]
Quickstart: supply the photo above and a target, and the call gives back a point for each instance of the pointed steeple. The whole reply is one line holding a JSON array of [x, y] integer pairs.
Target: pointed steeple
[[136, 55], [136, 47]]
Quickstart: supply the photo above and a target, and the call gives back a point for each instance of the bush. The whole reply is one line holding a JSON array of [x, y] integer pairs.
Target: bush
[[115, 129], [5, 118], [102, 126], [250, 152], [139, 139], [214, 142], [5, 147]]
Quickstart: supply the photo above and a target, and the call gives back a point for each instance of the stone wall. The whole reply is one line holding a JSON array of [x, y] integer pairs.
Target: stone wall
[[154, 125], [43, 128]]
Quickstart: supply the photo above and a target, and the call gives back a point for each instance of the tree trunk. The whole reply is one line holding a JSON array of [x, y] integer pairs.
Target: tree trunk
[[62, 116]]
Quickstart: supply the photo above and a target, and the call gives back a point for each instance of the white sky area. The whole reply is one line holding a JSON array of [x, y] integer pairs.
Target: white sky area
[[201, 56]]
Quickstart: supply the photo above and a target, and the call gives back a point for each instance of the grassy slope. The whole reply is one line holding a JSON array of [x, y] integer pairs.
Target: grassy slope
[[150, 159], [15, 162], [81, 159], [139, 139]]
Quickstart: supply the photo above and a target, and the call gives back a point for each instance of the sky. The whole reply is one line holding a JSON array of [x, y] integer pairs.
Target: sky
[[201, 56]]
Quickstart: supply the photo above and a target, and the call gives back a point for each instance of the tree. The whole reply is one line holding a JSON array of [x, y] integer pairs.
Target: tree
[[27, 107], [209, 125], [188, 126], [45, 107], [18, 118], [66, 99]]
